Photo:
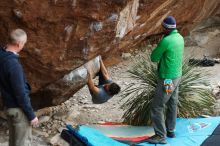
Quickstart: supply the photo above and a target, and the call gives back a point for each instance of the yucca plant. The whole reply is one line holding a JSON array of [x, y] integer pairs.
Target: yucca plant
[[194, 97]]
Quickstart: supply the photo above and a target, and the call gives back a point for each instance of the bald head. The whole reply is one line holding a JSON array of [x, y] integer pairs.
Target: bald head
[[18, 36], [17, 40]]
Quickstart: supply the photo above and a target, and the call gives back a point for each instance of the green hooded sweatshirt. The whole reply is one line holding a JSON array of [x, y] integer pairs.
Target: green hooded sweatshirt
[[169, 54]]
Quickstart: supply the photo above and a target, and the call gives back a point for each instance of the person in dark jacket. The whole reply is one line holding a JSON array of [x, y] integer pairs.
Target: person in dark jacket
[[15, 91], [106, 88]]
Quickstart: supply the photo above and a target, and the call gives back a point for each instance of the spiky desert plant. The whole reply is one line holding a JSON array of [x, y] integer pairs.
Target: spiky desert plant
[[194, 97]]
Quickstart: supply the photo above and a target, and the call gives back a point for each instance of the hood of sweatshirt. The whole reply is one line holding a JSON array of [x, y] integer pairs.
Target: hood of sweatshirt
[[5, 55]]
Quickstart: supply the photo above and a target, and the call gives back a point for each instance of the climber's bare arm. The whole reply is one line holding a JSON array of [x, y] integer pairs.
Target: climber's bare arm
[[91, 85], [104, 70]]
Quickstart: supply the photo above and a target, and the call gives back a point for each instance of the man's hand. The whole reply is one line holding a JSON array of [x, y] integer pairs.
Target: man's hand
[[88, 75], [100, 58], [34, 122], [89, 68], [89, 78]]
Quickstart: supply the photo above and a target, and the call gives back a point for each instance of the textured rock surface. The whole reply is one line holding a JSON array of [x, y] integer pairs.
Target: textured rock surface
[[64, 34]]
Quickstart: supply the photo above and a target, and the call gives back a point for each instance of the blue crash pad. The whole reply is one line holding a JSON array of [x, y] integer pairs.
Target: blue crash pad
[[189, 132]]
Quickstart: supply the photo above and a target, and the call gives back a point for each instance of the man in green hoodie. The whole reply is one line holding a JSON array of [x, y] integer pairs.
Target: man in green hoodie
[[169, 55]]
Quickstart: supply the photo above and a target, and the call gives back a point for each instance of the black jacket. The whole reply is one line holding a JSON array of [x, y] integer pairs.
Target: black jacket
[[13, 84]]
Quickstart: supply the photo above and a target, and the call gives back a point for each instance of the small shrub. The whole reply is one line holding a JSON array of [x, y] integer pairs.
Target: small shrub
[[194, 97]]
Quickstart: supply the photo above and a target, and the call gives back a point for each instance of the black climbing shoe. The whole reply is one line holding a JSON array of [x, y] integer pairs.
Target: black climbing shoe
[[171, 134], [156, 139]]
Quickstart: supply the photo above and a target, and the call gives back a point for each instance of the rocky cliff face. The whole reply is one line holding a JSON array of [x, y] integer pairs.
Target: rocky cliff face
[[64, 34]]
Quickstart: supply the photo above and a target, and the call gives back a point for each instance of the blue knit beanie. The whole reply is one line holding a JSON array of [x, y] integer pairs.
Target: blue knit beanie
[[169, 22]]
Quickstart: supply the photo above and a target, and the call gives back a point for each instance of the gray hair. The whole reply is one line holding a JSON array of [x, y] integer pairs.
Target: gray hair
[[18, 36]]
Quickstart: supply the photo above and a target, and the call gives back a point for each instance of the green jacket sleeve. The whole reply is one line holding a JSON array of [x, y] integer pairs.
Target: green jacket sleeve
[[157, 53]]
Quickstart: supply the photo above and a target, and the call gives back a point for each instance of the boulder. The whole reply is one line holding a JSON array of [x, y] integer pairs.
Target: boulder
[[65, 34]]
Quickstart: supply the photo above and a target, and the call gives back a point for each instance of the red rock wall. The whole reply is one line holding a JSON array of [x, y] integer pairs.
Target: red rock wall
[[64, 34]]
